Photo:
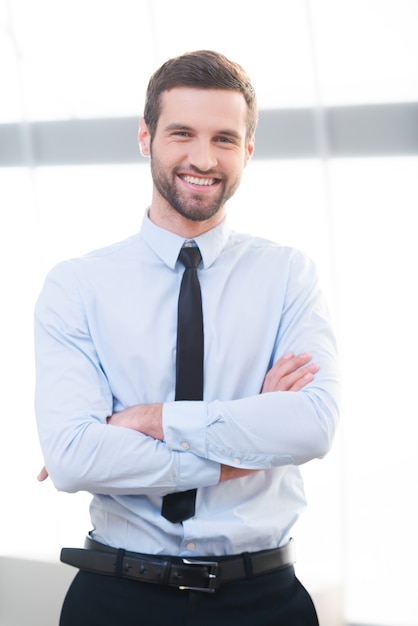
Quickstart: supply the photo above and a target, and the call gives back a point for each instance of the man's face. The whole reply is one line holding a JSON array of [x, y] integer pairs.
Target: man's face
[[199, 150]]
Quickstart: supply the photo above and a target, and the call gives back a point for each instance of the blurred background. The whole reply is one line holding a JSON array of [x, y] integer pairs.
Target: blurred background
[[335, 173]]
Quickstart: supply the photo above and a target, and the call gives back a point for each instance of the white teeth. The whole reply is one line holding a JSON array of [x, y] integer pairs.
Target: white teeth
[[199, 181]]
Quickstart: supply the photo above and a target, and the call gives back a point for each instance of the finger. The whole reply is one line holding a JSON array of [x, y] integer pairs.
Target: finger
[[301, 378], [286, 365], [43, 474]]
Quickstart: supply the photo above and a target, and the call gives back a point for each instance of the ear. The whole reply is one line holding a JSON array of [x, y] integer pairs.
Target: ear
[[249, 150], [144, 138]]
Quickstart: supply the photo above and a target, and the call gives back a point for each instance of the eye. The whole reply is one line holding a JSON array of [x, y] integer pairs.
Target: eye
[[224, 140]]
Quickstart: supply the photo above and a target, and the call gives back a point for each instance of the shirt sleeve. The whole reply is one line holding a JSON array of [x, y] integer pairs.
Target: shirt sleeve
[[277, 428], [74, 399]]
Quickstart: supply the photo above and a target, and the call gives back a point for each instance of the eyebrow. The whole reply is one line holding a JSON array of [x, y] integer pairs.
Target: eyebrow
[[227, 132]]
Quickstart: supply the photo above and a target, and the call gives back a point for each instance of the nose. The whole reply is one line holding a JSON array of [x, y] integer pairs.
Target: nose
[[202, 155]]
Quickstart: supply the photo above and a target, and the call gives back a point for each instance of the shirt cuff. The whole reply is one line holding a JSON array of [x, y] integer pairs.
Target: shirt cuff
[[184, 426]]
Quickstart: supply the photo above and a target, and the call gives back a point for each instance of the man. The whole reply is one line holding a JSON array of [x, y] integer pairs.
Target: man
[[111, 421]]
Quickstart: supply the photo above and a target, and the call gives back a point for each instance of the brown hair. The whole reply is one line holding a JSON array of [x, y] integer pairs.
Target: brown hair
[[203, 69]]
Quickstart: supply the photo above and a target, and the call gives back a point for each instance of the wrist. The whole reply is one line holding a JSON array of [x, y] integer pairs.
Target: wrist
[[152, 421]]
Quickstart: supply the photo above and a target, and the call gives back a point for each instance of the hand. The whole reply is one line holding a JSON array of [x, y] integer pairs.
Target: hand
[[43, 474], [290, 373]]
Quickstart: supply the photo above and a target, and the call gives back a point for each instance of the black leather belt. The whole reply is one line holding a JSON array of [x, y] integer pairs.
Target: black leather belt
[[205, 574]]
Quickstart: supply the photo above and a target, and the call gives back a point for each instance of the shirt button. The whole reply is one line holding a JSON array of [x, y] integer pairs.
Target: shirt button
[[237, 461], [185, 445], [191, 545]]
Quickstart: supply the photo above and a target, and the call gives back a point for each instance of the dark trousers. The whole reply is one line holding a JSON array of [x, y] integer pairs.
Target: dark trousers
[[276, 599]]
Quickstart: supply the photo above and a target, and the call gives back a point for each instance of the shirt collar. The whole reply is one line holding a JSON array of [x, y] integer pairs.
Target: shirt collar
[[167, 245]]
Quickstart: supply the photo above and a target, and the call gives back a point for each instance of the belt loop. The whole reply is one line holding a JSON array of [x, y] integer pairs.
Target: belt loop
[[165, 572], [119, 562], [248, 565]]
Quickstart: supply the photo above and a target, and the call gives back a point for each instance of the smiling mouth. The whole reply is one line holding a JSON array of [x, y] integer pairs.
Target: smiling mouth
[[202, 182]]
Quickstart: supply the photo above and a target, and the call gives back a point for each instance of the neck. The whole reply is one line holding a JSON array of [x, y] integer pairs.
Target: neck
[[169, 219]]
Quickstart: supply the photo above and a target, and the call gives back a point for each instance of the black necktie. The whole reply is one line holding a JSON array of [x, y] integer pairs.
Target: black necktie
[[189, 365]]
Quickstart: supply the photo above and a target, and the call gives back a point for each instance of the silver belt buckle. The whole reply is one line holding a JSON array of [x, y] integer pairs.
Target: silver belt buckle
[[212, 567]]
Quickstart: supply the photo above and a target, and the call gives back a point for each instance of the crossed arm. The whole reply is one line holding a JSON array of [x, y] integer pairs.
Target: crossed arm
[[290, 373]]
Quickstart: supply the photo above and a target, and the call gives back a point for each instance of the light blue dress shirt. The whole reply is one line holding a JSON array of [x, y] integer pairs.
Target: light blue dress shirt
[[105, 334]]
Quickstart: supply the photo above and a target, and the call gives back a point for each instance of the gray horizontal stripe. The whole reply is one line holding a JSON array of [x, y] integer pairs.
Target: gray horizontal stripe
[[346, 131]]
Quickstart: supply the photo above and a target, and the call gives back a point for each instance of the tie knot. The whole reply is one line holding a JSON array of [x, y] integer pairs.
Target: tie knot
[[190, 256]]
